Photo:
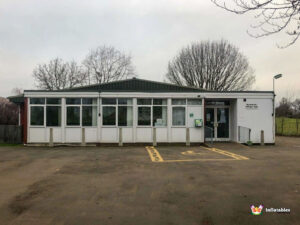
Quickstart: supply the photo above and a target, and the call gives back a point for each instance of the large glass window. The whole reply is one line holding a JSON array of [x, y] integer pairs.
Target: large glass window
[[53, 101], [89, 115], [194, 101], [73, 101], [37, 115], [82, 111], [144, 116], [144, 101], [53, 112], [73, 116], [159, 116], [89, 101], [125, 101], [156, 107], [178, 116], [109, 101], [37, 101], [109, 115], [125, 116], [53, 115], [179, 101], [159, 101]]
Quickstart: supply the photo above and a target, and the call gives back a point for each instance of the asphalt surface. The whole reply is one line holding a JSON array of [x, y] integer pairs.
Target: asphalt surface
[[123, 185]]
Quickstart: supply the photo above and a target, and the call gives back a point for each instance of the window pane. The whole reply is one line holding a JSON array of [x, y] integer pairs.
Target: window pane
[[73, 101], [56, 101], [125, 101], [37, 116], [89, 101], [159, 101], [53, 115], [144, 116], [109, 115], [179, 101], [73, 116], [159, 116], [194, 101], [178, 116], [37, 101], [89, 115], [109, 101], [217, 102], [144, 101], [125, 116]]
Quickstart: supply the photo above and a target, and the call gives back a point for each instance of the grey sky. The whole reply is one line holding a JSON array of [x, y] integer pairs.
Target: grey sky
[[35, 31]]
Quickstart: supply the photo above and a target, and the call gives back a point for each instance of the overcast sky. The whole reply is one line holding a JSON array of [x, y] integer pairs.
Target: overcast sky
[[35, 31]]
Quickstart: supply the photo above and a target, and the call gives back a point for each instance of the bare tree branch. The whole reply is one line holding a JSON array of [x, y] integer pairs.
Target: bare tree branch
[[214, 65], [58, 75], [273, 16], [106, 64]]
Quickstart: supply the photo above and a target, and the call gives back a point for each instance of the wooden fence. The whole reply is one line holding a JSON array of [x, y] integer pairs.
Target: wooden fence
[[11, 134], [287, 126]]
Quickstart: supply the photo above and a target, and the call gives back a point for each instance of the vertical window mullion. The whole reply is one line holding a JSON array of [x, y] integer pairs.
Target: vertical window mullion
[[117, 114]]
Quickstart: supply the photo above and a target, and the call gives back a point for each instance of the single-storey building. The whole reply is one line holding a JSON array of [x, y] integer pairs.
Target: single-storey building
[[142, 111]]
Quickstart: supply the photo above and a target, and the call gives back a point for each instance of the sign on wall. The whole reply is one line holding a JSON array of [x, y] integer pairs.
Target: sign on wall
[[251, 106]]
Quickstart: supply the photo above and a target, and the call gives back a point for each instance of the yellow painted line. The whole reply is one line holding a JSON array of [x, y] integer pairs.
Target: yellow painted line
[[196, 160], [154, 154], [230, 154]]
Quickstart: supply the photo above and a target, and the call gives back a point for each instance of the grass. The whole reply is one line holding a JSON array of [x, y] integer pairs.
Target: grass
[[287, 126]]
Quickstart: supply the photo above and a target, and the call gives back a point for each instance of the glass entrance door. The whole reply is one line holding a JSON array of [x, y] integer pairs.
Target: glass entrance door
[[209, 123], [223, 122], [217, 123]]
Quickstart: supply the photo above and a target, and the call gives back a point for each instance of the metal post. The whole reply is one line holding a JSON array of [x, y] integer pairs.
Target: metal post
[[154, 136], [120, 137], [19, 115], [83, 137], [188, 143], [262, 138], [51, 144]]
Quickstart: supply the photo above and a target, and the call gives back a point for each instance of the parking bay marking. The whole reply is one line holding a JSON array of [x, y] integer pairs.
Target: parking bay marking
[[156, 157], [154, 154], [230, 154]]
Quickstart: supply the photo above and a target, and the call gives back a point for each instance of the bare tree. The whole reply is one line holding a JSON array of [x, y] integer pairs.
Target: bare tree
[[58, 74], [285, 108], [106, 64], [273, 16], [215, 65], [8, 112]]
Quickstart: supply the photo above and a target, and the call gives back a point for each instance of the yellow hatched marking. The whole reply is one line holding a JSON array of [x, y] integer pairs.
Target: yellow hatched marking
[[154, 154], [230, 154]]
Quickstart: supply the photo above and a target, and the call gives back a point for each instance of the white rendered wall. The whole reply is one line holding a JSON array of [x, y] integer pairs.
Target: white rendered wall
[[257, 119]]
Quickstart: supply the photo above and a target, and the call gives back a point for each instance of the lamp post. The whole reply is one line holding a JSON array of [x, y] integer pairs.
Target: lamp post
[[274, 78]]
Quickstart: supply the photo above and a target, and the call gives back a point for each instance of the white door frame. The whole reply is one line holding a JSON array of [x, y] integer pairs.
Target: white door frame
[[215, 107]]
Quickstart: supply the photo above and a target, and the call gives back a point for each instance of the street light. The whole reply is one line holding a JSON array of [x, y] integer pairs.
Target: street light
[[274, 78]]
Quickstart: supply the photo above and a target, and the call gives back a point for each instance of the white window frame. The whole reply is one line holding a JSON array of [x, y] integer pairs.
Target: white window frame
[[37, 126], [183, 106], [66, 111], [61, 111], [116, 117], [123, 105], [91, 105], [146, 106], [151, 112]]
